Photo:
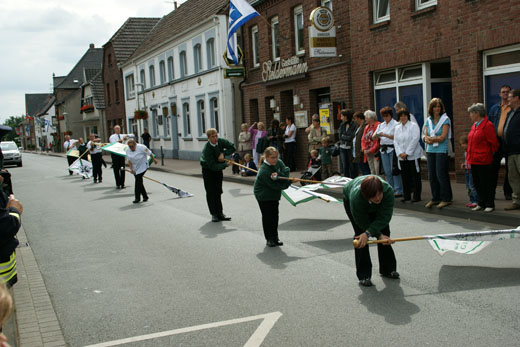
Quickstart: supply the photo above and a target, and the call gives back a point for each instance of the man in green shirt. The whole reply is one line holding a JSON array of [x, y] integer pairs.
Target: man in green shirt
[[369, 203], [213, 162]]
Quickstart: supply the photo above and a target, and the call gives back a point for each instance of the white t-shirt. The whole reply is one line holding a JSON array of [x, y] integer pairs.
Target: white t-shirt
[[69, 144], [288, 129], [93, 147], [388, 129], [138, 158], [116, 137]]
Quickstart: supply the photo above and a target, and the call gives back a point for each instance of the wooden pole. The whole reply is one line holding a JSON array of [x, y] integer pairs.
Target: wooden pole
[[371, 242]]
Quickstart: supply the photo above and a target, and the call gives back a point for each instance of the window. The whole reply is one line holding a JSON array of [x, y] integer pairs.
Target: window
[[254, 44], [109, 98], [166, 126], [197, 58], [214, 112], [162, 72], [142, 78], [421, 4], [210, 48], [298, 30], [155, 118], [151, 70], [186, 116], [327, 3], [130, 86], [170, 69], [410, 73], [202, 117], [381, 10], [275, 40], [116, 91], [183, 63]]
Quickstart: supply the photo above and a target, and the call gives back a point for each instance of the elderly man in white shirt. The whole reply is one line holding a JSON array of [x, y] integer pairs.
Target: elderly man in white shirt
[[118, 162], [385, 132], [137, 157], [409, 152]]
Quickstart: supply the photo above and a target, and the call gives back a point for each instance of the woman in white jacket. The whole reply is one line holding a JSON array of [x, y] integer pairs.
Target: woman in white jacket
[[409, 152]]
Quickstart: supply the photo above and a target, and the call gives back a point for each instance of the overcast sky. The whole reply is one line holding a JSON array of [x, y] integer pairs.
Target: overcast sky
[[40, 38]]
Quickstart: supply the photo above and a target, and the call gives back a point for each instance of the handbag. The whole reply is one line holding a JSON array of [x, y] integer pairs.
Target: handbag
[[395, 165]]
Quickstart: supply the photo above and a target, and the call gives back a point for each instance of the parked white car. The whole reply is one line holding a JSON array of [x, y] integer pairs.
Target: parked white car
[[11, 153]]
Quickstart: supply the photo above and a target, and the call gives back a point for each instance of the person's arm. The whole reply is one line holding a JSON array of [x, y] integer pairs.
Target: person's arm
[[211, 160], [413, 139], [291, 132], [383, 215], [252, 128], [150, 153], [491, 137], [228, 147], [131, 167], [10, 220], [443, 136]]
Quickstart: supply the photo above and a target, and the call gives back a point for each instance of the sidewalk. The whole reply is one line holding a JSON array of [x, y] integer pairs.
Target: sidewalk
[[457, 209]]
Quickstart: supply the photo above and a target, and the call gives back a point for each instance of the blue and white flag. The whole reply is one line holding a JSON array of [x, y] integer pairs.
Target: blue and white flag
[[239, 13]]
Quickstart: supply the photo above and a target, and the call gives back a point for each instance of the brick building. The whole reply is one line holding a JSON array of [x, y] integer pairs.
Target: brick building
[[313, 83], [115, 52], [414, 50]]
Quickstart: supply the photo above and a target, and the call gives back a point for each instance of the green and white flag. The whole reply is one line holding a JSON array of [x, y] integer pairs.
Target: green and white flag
[[120, 149], [297, 195], [81, 167], [469, 243]]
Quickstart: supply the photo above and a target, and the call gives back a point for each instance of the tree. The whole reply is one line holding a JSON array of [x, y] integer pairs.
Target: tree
[[13, 122]]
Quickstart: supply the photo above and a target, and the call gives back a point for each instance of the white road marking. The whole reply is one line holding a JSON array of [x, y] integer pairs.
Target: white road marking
[[268, 321]]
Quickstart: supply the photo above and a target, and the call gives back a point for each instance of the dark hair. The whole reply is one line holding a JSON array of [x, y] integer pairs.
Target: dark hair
[[371, 186], [434, 102], [386, 111], [359, 115], [515, 92], [405, 112], [347, 113], [315, 120], [506, 86], [275, 123], [291, 118]]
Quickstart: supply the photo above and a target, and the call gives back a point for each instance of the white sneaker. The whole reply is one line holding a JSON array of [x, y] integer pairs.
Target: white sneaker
[[478, 208], [489, 209]]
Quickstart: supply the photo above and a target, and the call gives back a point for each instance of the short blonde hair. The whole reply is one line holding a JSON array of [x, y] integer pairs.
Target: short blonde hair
[[270, 150], [131, 141], [247, 156], [211, 131], [6, 304], [260, 125], [325, 139], [314, 152]]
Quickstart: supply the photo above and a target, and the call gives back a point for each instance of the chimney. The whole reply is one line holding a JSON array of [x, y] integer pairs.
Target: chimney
[[175, 5], [91, 46]]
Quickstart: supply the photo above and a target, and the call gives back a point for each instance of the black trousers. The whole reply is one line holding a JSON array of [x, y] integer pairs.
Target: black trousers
[[290, 148], [71, 160], [387, 262], [213, 186], [97, 161], [483, 182], [118, 165], [497, 158], [139, 187], [269, 211], [411, 179]]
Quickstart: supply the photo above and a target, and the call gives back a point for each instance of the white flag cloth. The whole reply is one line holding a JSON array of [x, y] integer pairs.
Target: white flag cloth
[[239, 13], [297, 195], [81, 167], [469, 243], [120, 149]]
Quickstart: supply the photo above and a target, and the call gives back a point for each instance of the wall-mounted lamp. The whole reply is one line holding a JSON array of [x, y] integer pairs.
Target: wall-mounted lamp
[[272, 104]]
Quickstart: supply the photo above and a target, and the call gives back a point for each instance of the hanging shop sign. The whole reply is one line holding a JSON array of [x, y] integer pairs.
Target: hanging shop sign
[[283, 68], [322, 33]]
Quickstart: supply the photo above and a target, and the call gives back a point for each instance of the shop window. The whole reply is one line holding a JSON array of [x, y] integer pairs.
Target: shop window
[[155, 120], [166, 123], [170, 69], [381, 9], [254, 46], [162, 72], [298, 30], [275, 39], [422, 4]]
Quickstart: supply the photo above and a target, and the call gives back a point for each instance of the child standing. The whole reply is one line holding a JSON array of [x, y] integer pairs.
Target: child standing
[[326, 158], [248, 161], [472, 191], [268, 190]]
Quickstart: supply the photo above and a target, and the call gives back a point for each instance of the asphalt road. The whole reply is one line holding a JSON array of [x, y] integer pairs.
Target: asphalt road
[[115, 270]]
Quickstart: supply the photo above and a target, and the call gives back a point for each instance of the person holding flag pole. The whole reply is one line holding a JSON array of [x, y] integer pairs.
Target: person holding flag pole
[[67, 146], [118, 162], [96, 156], [137, 156]]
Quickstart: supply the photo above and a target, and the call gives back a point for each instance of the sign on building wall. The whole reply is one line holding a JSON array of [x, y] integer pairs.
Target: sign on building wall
[[283, 68], [325, 117], [322, 33]]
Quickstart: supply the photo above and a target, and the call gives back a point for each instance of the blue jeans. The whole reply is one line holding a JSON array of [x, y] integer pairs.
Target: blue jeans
[[439, 177], [387, 158], [472, 192], [350, 169]]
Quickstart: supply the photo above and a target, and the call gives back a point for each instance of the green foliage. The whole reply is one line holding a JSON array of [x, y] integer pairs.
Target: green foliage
[[13, 121]]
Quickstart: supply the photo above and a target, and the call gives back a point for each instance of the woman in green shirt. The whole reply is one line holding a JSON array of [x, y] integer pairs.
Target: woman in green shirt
[[268, 190]]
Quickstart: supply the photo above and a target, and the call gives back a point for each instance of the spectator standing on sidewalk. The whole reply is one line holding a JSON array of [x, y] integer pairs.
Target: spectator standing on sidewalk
[[357, 150], [511, 136], [146, 138], [347, 135], [482, 144], [370, 144], [256, 140], [316, 135], [290, 143], [498, 115], [244, 141], [10, 223]]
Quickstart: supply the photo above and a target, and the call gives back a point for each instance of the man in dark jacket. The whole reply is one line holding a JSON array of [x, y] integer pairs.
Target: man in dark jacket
[[213, 161], [511, 138], [10, 223]]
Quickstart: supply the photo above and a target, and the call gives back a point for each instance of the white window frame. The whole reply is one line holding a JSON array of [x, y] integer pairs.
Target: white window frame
[[375, 7], [201, 110], [428, 3], [142, 77], [497, 70], [275, 38], [215, 112], [298, 11], [210, 51], [162, 72], [255, 43], [197, 57], [151, 70], [327, 3], [130, 86], [186, 119], [183, 61]]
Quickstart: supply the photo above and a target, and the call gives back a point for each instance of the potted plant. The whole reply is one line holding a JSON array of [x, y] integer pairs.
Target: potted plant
[[87, 108], [140, 114]]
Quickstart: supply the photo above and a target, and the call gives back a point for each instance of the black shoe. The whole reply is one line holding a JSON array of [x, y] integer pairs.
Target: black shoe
[[366, 282], [271, 244], [223, 217], [118, 187], [145, 199], [416, 200], [136, 201], [95, 181], [404, 201], [123, 187], [100, 180], [278, 243], [393, 275], [214, 218], [508, 197]]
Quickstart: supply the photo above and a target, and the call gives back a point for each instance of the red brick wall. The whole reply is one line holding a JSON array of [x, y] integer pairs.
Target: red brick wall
[[457, 30], [115, 110]]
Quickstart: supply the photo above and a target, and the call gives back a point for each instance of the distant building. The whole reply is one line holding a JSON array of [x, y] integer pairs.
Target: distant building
[[93, 104]]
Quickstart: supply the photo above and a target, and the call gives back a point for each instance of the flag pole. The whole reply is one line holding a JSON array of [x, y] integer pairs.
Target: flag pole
[[401, 239]]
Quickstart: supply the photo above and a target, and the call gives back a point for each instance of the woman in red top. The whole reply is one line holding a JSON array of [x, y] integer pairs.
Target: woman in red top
[[482, 144], [369, 145]]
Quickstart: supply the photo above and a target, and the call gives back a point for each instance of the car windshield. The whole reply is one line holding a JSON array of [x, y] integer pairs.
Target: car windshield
[[8, 146]]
